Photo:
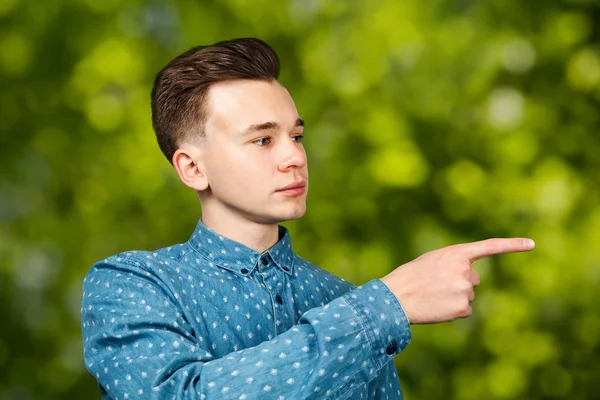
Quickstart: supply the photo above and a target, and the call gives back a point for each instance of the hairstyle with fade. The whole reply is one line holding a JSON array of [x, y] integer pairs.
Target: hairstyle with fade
[[180, 89]]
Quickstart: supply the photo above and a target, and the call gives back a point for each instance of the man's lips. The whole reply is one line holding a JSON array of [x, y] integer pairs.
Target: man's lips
[[295, 185]]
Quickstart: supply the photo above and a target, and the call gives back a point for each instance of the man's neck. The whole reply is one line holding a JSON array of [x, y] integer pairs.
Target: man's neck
[[258, 237]]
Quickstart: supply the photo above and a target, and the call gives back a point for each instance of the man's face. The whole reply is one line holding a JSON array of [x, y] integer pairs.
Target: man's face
[[253, 152]]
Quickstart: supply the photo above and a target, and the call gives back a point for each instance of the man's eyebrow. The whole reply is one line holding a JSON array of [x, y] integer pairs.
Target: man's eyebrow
[[267, 126]]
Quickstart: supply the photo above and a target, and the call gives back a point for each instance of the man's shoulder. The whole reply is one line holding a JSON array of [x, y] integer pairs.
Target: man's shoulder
[[142, 261]]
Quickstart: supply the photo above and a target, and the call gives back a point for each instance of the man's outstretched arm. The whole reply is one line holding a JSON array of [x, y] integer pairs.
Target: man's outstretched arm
[[332, 350]]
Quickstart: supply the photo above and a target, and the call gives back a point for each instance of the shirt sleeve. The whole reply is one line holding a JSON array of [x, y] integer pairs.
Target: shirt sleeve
[[138, 344]]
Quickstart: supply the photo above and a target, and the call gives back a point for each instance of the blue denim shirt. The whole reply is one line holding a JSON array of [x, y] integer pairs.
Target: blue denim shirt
[[213, 319]]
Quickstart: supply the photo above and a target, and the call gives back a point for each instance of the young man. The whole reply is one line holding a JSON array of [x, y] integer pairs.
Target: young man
[[233, 313]]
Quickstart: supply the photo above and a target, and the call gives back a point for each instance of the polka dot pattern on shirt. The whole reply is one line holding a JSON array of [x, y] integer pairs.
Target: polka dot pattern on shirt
[[211, 318]]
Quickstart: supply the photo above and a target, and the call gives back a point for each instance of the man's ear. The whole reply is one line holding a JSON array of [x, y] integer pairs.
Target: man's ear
[[188, 164]]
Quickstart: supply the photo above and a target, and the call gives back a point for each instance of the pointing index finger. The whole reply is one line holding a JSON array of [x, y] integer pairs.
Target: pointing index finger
[[491, 247]]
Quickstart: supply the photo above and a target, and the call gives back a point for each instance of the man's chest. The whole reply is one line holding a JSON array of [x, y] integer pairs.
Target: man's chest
[[229, 313]]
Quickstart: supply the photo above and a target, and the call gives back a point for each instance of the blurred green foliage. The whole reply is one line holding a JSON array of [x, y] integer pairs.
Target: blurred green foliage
[[428, 123]]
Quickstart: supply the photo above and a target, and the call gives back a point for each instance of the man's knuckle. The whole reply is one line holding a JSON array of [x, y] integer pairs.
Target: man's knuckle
[[463, 286], [464, 309], [465, 268]]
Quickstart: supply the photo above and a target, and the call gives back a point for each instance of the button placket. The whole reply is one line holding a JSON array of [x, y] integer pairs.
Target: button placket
[[274, 280]]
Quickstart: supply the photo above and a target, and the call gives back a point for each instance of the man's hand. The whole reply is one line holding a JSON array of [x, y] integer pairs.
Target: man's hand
[[438, 286]]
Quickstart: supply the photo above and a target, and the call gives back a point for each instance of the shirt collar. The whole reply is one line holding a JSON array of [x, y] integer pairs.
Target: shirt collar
[[236, 257]]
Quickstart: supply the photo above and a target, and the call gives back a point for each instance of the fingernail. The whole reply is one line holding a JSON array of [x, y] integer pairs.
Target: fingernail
[[529, 244]]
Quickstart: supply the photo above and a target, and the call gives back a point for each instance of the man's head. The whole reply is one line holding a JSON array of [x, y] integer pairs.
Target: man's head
[[232, 132], [180, 89]]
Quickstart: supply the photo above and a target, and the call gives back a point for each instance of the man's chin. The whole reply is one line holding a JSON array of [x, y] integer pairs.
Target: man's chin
[[293, 217], [289, 216]]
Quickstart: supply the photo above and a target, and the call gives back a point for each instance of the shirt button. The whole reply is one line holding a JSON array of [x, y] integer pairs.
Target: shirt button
[[279, 299], [391, 349], [264, 261], [244, 271]]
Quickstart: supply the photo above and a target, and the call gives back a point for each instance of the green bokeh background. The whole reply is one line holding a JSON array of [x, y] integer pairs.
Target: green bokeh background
[[428, 123]]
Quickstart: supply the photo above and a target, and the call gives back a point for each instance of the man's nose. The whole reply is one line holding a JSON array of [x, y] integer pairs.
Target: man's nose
[[293, 155]]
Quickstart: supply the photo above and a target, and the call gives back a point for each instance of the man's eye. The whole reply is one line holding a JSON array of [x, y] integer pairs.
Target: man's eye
[[298, 138], [262, 141]]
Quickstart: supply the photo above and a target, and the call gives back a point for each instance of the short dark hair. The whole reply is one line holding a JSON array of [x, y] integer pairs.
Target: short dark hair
[[178, 96]]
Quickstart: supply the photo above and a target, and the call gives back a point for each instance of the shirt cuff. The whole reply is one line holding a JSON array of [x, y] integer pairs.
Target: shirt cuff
[[383, 318]]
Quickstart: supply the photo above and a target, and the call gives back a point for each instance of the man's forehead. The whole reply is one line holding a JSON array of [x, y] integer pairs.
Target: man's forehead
[[239, 104]]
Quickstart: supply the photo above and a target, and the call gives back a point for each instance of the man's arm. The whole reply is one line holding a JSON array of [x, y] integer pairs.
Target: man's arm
[[135, 354]]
